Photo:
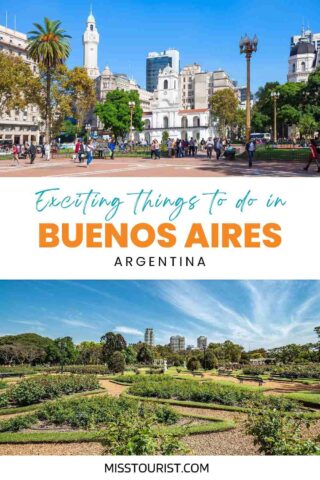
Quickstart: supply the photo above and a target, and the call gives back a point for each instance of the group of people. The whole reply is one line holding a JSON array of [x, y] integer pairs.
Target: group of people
[[29, 150], [182, 148], [84, 151]]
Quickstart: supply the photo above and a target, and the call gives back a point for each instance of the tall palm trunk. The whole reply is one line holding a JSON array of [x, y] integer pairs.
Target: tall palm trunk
[[48, 106]]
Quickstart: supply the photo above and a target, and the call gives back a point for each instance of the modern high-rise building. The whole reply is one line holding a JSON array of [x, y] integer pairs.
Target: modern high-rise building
[[19, 126], [149, 337], [202, 342], [177, 343], [159, 61], [90, 41], [304, 55]]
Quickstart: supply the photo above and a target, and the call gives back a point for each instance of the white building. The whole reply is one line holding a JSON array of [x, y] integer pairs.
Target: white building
[[304, 56], [149, 337], [90, 42], [180, 104], [202, 342], [177, 343], [19, 126]]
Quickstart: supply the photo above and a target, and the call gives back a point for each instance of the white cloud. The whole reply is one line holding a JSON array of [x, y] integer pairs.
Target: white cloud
[[128, 330], [78, 323]]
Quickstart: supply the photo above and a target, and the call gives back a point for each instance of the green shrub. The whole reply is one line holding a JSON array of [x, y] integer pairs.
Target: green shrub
[[101, 411], [17, 423], [2, 384], [205, 392], [277, 434], [4, 400], [34, 390]]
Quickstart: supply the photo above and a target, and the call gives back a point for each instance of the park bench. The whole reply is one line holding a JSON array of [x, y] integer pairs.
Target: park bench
[[8, 375], [251, 379], [225, 373], [280, 378]]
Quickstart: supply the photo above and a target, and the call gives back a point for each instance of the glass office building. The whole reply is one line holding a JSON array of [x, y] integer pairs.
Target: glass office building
[[158, 61]]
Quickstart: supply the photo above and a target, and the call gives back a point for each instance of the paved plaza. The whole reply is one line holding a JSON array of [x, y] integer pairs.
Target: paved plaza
[[145, 167]]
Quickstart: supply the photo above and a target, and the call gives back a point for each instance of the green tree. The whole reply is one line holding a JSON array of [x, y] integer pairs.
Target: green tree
[[209, 360], [112, 342], [69, 129], [49, 46], [114, 113], [130, 355], [19, 87], [311, 91], [62, 351], [117, 363], [193, 364], [90, 353], [144, 355], [260, 122], [307, 125], [224, 105]]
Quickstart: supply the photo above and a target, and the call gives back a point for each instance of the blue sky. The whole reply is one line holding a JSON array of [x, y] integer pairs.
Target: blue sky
[[252, 313], [204, 32]]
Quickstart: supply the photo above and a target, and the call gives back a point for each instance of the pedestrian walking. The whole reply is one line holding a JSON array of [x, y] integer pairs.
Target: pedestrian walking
[[112, 147], [218, 148], [15, 155], [90, 150], [191, 147], [209, 147], [251, 148], [47, 151], [155, 149], [313, 156], [32, 153]]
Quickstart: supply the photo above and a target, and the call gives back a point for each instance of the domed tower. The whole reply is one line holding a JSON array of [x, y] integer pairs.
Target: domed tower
[[90, 47]]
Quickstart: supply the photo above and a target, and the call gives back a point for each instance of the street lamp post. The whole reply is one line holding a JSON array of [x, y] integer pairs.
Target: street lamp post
[[275, 97], [132, 107], [248, 46]]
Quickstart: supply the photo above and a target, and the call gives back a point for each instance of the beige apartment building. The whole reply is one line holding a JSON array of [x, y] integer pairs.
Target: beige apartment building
[[19, 126]]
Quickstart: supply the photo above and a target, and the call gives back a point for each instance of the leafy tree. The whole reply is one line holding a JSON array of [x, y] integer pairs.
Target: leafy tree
[[19, 87], [49, 46], [130, 355], [209, 361], [193, 364], [260, 122], [117, 362], [311, 90], [62, 351], [90, 353], [69, 129], [307, 125], [144, 355], [112, 342], [288, 115], [114, 113], [224, 105], [165, 136], [264, 102], [80, 88]]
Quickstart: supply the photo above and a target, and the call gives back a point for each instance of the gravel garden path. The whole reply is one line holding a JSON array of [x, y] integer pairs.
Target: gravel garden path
[[113, 389], [52, 449]]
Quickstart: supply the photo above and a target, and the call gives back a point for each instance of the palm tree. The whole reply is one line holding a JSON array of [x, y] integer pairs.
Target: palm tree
[[49, 47]]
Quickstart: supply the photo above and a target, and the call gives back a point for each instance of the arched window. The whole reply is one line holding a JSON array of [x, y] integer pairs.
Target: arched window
[[293, 68], [184, 122], [303, 66], [165, 85], [196, 121], [147, 124], [91, 28], [165, 122]]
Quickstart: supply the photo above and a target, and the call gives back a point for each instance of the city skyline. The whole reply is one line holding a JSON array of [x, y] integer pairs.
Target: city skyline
[[252, 313], [120, 39]]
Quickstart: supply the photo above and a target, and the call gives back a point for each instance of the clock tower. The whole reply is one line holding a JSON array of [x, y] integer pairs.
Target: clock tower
[[90, 42]]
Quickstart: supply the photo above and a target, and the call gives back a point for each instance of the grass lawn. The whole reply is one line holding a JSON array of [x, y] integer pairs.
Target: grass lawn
[[307, 398], [279, 154]]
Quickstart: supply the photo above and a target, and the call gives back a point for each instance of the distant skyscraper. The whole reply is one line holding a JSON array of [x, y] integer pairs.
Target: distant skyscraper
[[177, 343], [158, 61], [202, 342], [149, 337], [90, 48]]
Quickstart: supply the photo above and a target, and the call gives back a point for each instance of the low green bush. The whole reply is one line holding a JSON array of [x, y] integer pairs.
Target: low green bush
[[36, 389], [205, 392], [17, 423], [277, 434], [2, 384], [100, 411], [290, 371]]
